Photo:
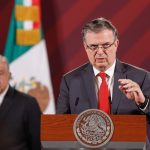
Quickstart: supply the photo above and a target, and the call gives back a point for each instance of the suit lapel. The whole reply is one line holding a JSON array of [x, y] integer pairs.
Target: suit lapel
[[6, 104], [117, 94], [89, 81]]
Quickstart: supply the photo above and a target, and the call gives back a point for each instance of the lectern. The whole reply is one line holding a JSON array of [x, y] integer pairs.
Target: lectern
[[129, 132]]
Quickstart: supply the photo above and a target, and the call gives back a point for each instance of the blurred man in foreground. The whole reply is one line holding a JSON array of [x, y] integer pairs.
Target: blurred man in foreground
[[19, 116]]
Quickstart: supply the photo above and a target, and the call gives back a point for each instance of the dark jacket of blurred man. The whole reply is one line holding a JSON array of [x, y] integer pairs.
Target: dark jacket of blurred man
[[19, 116]]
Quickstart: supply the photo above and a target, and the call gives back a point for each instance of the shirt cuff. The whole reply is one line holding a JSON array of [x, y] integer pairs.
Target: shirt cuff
[[144, 105]]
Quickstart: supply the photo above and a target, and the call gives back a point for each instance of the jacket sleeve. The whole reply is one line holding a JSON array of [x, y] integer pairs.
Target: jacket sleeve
[[63, 98]]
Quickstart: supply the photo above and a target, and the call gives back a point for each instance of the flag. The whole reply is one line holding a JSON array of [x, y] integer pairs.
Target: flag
[[27, 54]]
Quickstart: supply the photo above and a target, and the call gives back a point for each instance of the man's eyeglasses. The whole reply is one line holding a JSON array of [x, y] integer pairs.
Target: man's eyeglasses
[[95, 47]]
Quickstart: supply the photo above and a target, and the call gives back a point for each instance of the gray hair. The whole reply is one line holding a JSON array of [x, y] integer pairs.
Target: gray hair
[[3, 59], [97, 25]]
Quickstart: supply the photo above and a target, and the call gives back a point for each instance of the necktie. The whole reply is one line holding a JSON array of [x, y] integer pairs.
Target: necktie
[[103, 94]]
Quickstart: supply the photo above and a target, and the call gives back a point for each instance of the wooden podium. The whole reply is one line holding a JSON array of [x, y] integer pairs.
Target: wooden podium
[[57, 131]]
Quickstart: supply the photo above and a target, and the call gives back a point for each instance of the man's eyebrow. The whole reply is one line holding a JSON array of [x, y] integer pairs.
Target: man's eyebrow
[[94, 44], [99, 44]]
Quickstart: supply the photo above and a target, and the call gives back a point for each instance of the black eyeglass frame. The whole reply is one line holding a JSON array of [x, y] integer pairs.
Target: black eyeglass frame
[[100, 46]]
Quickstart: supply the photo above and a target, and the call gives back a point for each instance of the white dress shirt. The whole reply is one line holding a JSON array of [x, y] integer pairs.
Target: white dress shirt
[[3, 94], [109, 78]]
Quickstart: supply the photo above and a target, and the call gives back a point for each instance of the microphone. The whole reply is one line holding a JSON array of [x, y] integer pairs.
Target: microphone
[[109, 98], [110, 102], [77, 100]]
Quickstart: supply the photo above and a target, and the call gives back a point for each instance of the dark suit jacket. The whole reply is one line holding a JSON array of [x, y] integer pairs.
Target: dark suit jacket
[[77, 90], [19, 122]]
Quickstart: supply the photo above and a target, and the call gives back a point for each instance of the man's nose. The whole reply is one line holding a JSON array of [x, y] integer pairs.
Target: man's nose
[[100, 50]]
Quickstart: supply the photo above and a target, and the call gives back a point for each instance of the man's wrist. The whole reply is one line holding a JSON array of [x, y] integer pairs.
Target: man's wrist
[[144, 104]]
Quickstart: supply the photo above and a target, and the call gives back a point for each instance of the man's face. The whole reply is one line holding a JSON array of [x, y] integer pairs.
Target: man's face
[[4, 76], [101, 48]]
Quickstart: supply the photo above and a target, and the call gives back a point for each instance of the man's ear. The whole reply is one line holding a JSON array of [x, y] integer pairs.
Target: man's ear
[[116, 43], [84, 44]]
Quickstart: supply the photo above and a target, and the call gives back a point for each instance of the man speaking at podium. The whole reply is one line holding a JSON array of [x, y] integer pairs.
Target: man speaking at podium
[[104, 82]]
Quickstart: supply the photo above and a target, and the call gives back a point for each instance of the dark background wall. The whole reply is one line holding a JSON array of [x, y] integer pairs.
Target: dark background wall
[[62, 23]]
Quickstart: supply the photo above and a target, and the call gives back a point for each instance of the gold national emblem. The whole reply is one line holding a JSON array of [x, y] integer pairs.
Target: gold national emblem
[[93, 128], [36, 89]]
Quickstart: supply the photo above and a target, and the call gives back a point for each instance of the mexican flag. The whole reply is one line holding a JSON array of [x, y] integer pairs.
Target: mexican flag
[[27, 54]]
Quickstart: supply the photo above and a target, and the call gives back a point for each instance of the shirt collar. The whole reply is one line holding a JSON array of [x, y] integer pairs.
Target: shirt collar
[[2, 95], [109, 71]]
